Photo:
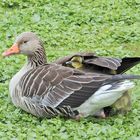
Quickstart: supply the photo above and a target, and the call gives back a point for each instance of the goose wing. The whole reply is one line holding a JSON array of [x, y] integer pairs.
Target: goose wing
[[92, 59], [128, 63], [86, 56], [54, 85], [119, 65], [110, 63]]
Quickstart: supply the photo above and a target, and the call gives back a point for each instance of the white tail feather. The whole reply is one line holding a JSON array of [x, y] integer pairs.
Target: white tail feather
[[105, 96]]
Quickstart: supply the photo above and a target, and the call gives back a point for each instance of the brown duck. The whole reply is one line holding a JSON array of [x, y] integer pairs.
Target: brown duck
[[48, 90]]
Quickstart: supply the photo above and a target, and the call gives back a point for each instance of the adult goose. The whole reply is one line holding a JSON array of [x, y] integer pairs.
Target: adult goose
[[90, 62], [48, 90]]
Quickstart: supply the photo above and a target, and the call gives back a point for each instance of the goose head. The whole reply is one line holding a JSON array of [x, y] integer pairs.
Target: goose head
[[26, 43], [29, 44]]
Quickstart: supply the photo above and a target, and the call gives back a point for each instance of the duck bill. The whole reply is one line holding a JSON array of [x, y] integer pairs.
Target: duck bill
[[13, 50]]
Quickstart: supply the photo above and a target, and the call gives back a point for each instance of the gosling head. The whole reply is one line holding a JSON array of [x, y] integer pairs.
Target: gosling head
[[75, 62]]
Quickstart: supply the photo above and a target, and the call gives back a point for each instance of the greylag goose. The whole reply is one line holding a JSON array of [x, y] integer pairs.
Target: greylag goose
[[48, 90]]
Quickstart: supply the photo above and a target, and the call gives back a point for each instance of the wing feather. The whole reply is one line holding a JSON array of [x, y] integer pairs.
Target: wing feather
[[54, 85], [111, 63]]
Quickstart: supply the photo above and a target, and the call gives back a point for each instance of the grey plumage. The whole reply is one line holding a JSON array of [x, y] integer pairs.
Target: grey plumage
[[47, 90]]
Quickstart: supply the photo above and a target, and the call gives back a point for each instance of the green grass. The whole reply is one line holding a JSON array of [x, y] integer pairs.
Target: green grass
[[109, 28]]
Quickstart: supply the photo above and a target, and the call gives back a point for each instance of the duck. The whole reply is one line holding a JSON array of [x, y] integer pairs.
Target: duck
[[90, 62], [47, 90]]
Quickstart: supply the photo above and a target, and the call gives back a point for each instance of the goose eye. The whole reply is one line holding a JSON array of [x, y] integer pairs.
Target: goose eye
[[25, 41]]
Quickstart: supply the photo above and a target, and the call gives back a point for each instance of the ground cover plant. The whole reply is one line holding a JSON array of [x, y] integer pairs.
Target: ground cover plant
[[109, 28]]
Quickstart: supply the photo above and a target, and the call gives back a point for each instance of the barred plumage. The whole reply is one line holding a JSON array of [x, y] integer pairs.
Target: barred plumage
[[47, 90]]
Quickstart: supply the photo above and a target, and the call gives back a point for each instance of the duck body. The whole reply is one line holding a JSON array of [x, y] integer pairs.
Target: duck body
[[48, 90]]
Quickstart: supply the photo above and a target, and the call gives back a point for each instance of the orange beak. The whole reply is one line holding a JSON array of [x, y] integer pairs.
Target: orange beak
[[13, 50]]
